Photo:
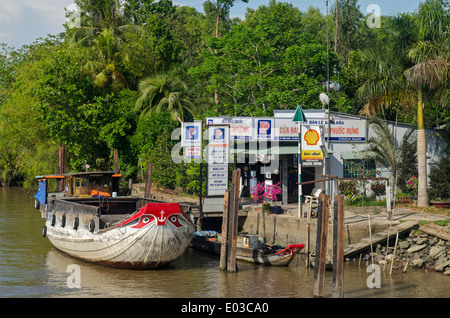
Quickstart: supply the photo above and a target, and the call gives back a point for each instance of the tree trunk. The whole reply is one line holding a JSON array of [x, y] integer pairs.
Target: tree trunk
[[422, 195]]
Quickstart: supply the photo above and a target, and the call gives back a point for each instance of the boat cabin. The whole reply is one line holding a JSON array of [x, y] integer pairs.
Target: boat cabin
[[91, 184], [87, 184]]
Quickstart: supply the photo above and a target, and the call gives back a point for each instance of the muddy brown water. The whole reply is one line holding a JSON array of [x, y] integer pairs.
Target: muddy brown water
[[31, 267]]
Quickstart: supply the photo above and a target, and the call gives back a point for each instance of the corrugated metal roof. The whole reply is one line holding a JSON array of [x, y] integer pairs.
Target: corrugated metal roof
[[356, 155]]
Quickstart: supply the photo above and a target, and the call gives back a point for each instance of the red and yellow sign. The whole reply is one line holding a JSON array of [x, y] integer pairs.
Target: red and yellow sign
[[311, 153]]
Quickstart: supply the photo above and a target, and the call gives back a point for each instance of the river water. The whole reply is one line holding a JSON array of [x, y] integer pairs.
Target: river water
[[31, 267]]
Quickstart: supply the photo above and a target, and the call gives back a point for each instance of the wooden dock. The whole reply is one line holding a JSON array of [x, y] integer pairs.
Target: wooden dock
[[380, 238]]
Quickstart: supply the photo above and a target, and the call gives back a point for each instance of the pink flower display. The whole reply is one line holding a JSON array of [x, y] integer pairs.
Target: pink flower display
[[265, 193]]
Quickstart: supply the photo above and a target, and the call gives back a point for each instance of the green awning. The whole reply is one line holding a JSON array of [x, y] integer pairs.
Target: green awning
[[276, 150], [356, 155]]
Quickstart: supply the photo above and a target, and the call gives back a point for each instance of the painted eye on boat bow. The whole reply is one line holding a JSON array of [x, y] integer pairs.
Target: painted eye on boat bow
[[174, 220]]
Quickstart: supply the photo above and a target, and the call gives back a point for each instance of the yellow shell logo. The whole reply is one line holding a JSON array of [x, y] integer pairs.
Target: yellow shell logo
[[311, 137]]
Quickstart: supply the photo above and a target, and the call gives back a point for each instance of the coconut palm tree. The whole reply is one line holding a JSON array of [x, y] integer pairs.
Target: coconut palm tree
[[104, 68], [94, 16], [164, 93], [396, 78], [430, 74], [101, 27]]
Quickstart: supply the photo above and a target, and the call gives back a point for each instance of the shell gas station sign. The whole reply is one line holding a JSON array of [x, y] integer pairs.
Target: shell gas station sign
[[312, 138]]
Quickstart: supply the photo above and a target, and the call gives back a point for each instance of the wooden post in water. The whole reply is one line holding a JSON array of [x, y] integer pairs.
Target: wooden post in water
[[233, 225], [321, 246], [308, 231], [224, 239], [116, 160], [338, 247], [148, 180], [62, 165]]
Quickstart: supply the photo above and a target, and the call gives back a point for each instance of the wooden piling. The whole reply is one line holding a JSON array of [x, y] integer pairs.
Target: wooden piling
[[321, 246], [338, 247], [62, 165], [233, 225], [308, 230], [148, 180], [116, 160], [224, 239]]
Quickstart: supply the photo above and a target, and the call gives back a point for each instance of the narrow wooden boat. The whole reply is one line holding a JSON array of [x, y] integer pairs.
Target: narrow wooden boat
[[111, 230], [249, 248]]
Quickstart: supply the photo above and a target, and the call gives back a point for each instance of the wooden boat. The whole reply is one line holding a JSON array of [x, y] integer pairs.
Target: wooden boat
[[104, 228], [249, 248], [328, 261]]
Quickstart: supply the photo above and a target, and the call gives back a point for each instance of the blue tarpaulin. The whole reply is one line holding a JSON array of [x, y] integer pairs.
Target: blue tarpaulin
[[41, 195]]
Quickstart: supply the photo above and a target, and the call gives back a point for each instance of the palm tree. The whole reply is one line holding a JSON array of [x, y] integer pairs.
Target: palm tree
[[383, 147], [94, 17], [101, 27], [430, 75], [396, 78], [105, 67], [164, 93]]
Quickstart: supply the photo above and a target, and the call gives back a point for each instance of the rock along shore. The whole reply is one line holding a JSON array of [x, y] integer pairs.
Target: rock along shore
[[428, 248]]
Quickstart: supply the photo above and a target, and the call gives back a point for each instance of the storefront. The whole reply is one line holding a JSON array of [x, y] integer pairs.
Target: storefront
[[266, 149]]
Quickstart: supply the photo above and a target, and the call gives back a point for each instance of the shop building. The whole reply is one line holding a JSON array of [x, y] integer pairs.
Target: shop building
[[266, 149]]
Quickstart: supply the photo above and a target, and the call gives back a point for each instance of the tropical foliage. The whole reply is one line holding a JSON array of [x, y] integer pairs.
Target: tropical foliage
[[124, 72]]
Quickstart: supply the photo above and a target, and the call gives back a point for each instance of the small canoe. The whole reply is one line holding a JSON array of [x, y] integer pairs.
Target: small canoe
[[249, 248]]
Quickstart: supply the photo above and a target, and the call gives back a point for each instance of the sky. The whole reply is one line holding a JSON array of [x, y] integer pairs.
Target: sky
[[24, 21]]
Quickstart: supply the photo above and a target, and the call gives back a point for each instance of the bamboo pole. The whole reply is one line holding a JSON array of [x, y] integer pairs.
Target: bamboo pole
[[370, 238], [393, 256]]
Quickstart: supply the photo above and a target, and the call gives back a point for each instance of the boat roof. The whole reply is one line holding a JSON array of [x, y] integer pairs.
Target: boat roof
[[81, 174]]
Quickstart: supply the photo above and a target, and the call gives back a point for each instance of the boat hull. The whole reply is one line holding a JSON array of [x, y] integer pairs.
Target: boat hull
[[150, 238], [280, 257]]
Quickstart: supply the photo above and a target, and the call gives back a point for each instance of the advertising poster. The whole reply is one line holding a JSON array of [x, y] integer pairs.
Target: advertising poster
[[191, 140], [312, 155], [217, 159]]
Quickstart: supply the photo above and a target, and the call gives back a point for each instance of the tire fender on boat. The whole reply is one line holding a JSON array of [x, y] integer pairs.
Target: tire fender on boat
[[91, 226], [44, 231], [53, 221], [76, 223], [63, 220]]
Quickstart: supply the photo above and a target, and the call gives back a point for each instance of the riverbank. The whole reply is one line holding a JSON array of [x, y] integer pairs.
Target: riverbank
[[428, 248]]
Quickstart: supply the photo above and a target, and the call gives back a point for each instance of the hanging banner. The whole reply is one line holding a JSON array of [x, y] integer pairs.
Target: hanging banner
[[241, 128], [343, 129], [217, 159], [285, 129], [312, 138]]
